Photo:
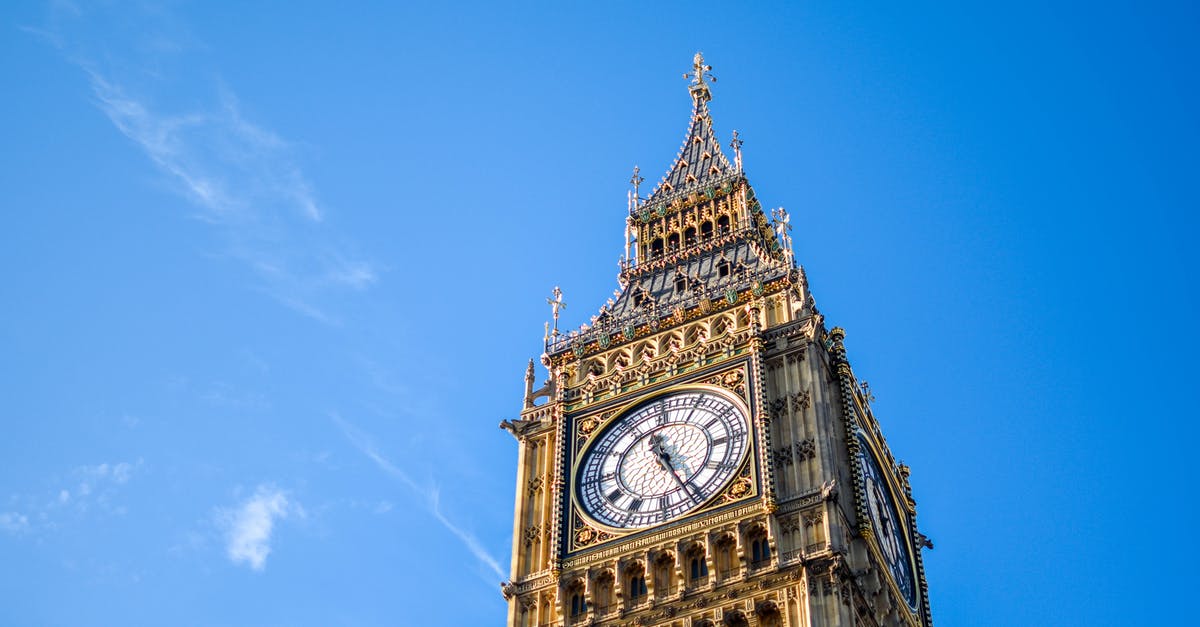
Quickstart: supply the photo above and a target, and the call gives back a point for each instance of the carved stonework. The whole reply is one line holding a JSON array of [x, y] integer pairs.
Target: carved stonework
[[535, 485], [806, 450], [734, 380], [531, 534], [801, 401], [739, 489], [813, 517], [783, 456], [789, 524]]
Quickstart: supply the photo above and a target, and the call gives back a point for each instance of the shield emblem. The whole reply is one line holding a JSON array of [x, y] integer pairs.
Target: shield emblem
[[759, 288], [731, 296], [605, 340], [629, 331]]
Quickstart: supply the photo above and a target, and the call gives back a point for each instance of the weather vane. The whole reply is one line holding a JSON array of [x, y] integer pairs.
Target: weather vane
[[700, 71]]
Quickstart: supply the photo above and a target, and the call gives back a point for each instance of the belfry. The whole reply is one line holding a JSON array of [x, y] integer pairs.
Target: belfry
[[702, 453]]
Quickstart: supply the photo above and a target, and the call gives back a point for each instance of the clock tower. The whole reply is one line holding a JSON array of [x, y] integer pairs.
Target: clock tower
[[702, 454]]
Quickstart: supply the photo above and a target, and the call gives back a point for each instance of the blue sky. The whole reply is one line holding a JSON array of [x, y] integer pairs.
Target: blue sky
[[272, 274]]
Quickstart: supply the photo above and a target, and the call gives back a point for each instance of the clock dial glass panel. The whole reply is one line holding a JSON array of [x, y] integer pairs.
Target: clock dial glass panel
[[885, 519], [663, 459]]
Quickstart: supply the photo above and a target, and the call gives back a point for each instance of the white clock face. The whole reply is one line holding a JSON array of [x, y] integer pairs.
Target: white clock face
[[885, 519], [663, 459]]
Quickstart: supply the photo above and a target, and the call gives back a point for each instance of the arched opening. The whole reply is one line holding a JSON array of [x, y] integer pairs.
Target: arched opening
[[760, 548], [680, 283], [656, 248], [672, 242], [697, 566], [768, 614], [576, 603], [664, 568], [727, 565], [635, 585], [706, 230], [689, 236], [602, 595], [722, 225]]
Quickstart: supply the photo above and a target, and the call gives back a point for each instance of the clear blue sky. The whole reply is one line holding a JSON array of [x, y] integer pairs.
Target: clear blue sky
[[272, 273]]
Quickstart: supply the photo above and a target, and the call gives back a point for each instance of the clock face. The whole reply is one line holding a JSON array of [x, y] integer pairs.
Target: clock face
[[886, 521], [663, 459]]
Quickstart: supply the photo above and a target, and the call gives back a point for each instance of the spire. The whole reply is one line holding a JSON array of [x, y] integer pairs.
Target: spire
[[700, 159]]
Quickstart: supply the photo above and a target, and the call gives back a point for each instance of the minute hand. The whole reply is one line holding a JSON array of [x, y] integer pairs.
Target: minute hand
[[664, 460], [682, 483]]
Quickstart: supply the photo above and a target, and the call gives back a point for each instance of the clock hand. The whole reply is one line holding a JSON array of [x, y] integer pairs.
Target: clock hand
[[664, 461]]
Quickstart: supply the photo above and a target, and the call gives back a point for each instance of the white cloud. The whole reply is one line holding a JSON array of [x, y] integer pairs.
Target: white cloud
[[248, 527], [427, 495], [14, 522]]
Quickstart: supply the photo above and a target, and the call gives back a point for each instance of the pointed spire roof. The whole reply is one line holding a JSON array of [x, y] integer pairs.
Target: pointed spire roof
[[700, 160]]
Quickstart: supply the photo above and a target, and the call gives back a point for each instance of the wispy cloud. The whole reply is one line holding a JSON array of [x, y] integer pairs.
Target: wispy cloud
[[427, 494], [242, 177], [249, 525]]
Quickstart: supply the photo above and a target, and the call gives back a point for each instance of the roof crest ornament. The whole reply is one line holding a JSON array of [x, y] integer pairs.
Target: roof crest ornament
[[636, 181], [700, 71], [556, 304], [736, 145]]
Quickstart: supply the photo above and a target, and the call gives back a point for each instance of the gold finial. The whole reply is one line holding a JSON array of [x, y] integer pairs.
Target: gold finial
[[736, 145], [700, 71]]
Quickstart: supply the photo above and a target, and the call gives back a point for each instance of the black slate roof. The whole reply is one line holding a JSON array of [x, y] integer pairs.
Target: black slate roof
[[700, 160]]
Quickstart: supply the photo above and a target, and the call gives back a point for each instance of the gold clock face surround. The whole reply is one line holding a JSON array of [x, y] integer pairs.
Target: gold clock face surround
[[662, 458]]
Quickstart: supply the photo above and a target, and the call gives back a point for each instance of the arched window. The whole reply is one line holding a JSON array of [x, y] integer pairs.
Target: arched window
[[723, 225], [705, 230], [680, 283], [689, 236], [673, 242], [760, 549], [636, 584], [602, 593], [697, 566], [726, 560], [664, 568], [656, 248], [577, 602]]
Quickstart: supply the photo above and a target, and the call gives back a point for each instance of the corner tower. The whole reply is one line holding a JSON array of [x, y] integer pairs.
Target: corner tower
[[702, 453]]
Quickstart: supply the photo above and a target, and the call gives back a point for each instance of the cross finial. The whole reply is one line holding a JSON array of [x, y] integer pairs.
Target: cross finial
[[556, 304], [636, 180], [736, 145], [700, 72]]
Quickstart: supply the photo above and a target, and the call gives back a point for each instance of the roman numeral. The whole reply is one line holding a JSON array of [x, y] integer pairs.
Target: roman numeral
[[614, 495]]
